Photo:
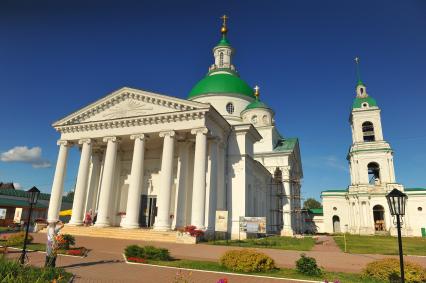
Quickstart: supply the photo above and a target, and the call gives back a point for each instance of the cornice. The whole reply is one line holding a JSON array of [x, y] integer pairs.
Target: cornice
[[160, 118]]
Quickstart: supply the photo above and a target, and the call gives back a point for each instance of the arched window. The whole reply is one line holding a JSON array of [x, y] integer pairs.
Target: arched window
[[368, 131], [254, 119], [230, 108], [221, 59], [373, 173]]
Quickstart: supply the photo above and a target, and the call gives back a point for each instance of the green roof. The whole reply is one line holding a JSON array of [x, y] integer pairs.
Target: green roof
[[286, 144], [18, 203], [360, 100], [257, 104], [24, 194], [221, 83], [223, 42], [316, 211], [414, 189]]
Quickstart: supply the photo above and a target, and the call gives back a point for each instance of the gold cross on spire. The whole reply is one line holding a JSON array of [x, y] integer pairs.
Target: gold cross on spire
[[356, 60], [256, 92], [224, 18]]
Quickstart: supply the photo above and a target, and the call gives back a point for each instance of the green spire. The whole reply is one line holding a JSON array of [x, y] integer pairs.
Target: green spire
[[359, 82]]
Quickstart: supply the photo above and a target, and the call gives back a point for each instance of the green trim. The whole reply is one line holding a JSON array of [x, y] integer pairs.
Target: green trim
[[332, 195], [24, 194], [317, 211], [221, 83], [18, 203], [360, 100], [378, 149], [339, 190]]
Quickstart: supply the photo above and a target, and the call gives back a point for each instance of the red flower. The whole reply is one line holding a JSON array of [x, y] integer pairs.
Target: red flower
[[136, 259], [76, 252]]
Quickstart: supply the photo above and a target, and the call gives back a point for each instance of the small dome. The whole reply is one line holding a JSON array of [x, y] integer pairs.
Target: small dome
[[221, 83], [359, 101], [257, 104]]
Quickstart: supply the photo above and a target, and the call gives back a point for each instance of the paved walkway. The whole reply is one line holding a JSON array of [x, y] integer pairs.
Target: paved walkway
[[105, 262]]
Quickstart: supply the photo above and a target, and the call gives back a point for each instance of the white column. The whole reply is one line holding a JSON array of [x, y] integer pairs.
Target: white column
[[93, 182], [199, 183], [58, 183], [162, 221], [211, 197], [136, 183], [81, 185], [287, 217], [103, 219], [180, 205], [221, 194]]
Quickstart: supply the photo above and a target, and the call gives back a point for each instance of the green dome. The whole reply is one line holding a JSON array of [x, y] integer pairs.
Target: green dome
[[257, 104], [360, 100], [221, 83]]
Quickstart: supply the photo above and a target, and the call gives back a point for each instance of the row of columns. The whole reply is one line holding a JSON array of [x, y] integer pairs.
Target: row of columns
[[136, 180]]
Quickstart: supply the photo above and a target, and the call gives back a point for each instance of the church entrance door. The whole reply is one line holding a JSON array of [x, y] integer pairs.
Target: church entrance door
[[336, 224], [148, 210], [379, 218]]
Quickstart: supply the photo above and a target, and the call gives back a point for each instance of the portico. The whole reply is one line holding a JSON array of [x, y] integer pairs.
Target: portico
[[129, 160]]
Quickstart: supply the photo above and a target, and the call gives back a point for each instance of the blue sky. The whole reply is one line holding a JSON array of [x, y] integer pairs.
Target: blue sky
[[58, 56]]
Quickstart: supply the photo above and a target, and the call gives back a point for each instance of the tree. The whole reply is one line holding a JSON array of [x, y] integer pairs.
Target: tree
[[311, 203]]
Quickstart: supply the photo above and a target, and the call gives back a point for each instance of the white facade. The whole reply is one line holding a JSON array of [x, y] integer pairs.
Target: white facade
[[155, 161], [362, 208]]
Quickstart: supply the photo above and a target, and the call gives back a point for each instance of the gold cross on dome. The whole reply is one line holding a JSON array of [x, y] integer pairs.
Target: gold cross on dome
[[224, 18]]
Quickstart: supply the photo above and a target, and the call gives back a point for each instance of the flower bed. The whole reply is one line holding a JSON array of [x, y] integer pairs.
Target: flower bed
[[81, 251], [136, 259]]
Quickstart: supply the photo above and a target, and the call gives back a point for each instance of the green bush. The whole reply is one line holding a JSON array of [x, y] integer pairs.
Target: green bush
[[12, 271], [147, 252], [17, 240], [247, 261], [388, 269], [308, 266]]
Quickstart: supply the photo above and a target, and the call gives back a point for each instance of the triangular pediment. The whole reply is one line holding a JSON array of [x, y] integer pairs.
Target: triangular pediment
[[128, 102]]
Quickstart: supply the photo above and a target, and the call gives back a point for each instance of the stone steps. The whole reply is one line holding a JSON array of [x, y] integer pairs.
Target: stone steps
[[120, 233]]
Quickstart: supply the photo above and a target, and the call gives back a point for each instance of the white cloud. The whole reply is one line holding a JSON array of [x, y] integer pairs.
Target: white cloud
[[24, 154]]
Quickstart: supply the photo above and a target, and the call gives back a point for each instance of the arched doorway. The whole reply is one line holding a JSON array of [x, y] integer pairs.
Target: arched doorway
[[336, 224], [379, 218]]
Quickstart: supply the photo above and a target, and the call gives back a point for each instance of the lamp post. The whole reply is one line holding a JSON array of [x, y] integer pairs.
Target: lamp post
[[396, 200], [32, 200]]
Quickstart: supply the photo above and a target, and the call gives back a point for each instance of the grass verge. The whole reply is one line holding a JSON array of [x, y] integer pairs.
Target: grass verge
[[274, 242], [386, 245], [279, 273]]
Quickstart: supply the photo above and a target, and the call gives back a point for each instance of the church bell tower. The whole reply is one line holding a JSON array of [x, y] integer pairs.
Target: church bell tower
[[370, 156]]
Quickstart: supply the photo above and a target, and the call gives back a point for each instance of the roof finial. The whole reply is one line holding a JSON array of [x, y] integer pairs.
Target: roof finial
[[256, 92], [357, 71], [224, 29]]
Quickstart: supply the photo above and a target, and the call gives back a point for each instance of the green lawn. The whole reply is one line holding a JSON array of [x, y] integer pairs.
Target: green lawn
[[280, 273], [386, 245], [275, 242]]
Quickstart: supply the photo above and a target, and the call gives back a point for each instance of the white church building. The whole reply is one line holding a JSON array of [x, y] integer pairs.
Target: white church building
[[152, 161], [362, 207]]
